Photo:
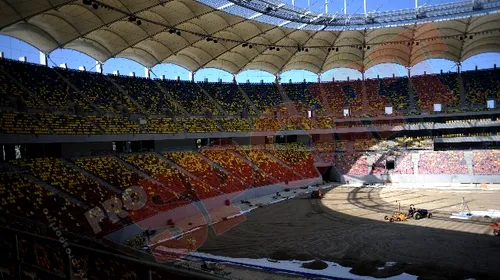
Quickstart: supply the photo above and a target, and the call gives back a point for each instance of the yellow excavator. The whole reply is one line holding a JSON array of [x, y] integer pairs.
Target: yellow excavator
[[397, 216]]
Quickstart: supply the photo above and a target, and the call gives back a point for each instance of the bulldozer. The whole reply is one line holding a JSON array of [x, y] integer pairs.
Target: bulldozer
[[397, 216]]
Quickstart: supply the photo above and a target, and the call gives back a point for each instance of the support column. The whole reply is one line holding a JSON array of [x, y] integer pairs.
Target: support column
[[458, 66], [461, 88], [363, 92], [410, 90], [98, 67], [326, 6], [147, 72], [277, 79], [234, 79], [191, 76], [319, 78], [43, 59]]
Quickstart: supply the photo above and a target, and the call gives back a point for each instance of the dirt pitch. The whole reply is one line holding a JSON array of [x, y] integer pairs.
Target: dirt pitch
[[347, 226]]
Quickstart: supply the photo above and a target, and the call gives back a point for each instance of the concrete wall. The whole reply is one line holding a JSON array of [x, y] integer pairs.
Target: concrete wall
[[78, 149], [425, 178]]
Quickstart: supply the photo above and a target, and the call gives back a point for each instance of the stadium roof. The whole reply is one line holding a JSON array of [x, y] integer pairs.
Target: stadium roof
[[235, 36]]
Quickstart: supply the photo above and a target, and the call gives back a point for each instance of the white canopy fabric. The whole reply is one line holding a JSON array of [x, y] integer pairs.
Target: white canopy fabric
[[108, 32]]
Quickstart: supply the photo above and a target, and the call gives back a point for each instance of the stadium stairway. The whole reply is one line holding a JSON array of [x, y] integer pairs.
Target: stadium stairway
[[54, 190], [83, 96], [468, 156], [181, 169], [207, 95], [91, 176], [26, 90], [254, 166], [172, 100], [283, 164], [126, 95], [249, 101], [217, 166], [131, 167], [461, 88]]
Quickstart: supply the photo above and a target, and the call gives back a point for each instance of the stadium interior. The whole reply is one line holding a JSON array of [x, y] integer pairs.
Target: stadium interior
[[113, 167]]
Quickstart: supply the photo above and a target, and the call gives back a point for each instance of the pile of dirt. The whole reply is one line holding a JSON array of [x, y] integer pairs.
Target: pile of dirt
[[283, 255], [316, 265], [280, 255]]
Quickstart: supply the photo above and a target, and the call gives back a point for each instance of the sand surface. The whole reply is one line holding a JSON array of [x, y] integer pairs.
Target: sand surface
[[347, 226]]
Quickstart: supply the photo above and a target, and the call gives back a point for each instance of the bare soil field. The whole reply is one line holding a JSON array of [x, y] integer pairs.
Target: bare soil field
[[347, 226]]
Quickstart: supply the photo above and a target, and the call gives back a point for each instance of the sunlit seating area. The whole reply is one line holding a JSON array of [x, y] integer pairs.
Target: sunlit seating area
[[486, 162], [298, 123], [159, 169], [56, 173], [324, 122], [235, 164], [365, 144], [414, 143], [351, 163], [403, 164], [266, 124], [430, 90], [208, 180], [267, 164], [297, 157], [165, 191], [234, 124], [443, 162]]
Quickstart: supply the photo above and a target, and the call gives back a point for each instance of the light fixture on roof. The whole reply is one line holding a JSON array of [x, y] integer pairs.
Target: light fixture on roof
[[244, 45], [171, 31], [87, 2], [178, 33], [139, 22]]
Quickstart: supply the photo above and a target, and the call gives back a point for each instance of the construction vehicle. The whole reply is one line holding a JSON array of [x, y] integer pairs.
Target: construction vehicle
[[397, 216], [496, 229], [418, 213], [317, 194]]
